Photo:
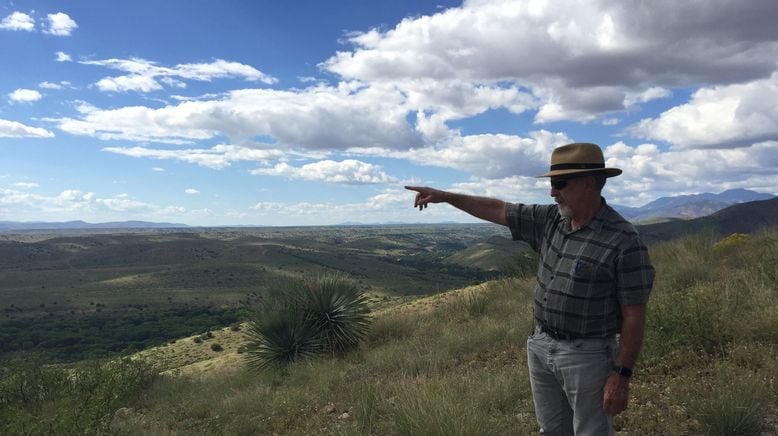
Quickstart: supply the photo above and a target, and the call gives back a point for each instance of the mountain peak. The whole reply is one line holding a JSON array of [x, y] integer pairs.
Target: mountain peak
[[691, 206]]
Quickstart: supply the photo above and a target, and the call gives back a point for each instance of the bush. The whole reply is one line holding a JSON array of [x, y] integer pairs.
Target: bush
[[217, 347], [323, 315], [36, 398], [735, 407]]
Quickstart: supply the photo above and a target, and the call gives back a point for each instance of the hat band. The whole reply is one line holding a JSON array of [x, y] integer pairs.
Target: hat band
[[577, 166]]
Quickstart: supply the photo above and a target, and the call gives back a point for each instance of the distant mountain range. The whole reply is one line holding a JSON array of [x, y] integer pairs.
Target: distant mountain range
[[739, 218], [682, 207], [6, 226], [688, 206]]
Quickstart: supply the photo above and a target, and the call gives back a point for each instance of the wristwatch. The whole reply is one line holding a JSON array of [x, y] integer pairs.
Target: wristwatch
[[622, 371]]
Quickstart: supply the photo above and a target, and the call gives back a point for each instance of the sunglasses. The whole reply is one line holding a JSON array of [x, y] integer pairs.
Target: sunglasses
[[559, 184]]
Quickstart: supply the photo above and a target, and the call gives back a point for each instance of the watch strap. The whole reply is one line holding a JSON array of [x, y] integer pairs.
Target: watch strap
[[622, 371]]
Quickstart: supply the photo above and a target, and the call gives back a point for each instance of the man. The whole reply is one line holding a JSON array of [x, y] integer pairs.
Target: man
[[593, 282]]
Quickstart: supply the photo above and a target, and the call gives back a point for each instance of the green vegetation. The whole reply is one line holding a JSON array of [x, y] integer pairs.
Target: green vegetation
[[455, 364], [71, 338], [318, 316], [85, 399]]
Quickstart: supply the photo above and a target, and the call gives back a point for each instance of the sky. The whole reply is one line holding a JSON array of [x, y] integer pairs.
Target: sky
[[303, 112]]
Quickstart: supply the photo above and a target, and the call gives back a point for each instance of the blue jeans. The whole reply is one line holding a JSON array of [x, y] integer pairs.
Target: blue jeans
[[567, 378]]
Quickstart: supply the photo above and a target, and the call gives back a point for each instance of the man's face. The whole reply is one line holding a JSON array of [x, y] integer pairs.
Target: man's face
[[568, 192]]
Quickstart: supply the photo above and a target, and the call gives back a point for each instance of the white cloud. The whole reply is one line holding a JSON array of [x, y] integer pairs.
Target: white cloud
[[75, 204], [158, 169], [653, 93], [14, 129], [60, 24], [491, 156], [63, 57], [50, 85], [650, 172], [217, 157], [135, 82], [26, 185], [581, 59], [25, 96], [144, 75], [391, 205], [191, 191], [18, 21], [720, 116], [305, 119], [350, 172]]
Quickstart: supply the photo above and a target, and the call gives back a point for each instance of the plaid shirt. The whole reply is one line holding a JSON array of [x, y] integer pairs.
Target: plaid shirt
[[584, 276]]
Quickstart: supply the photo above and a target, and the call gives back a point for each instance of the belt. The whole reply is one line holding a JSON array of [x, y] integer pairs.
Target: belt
[[556, 334]]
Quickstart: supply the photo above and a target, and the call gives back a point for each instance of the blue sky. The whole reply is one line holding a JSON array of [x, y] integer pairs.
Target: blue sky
[[315, 113]]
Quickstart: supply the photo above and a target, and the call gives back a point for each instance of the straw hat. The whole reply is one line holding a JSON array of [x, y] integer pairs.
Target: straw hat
[[580, 157]]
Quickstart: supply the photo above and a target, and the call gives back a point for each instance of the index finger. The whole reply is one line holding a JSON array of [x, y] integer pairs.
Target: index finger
[[414, 188]]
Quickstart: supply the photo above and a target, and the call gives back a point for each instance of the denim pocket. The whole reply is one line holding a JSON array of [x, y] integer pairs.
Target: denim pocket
[[590, 345]]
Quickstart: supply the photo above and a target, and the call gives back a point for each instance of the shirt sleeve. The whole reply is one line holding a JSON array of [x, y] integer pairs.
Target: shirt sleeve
[[634, 274], [527, 222]]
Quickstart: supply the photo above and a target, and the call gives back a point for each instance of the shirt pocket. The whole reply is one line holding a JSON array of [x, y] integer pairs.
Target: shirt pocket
[[585, 272]]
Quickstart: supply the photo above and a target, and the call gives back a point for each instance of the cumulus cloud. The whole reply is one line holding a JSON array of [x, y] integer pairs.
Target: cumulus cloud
[[318, 118], [18, 21], [350, 172], [25, 96], [191, 191], [15, 129], [217, 157], [581, 59], [650, 172], [60, 24], [63, 57], [144, 75], [77, 204], [491, 156], [720, 116]]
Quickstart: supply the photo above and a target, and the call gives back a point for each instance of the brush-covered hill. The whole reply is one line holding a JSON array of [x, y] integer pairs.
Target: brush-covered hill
[[740, 218], [451, 364]]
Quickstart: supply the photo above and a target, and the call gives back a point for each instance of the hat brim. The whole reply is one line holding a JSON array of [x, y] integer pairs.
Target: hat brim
[[609, 172]]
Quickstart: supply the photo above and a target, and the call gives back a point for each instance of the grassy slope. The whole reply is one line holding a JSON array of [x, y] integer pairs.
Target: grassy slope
[[455, 363]]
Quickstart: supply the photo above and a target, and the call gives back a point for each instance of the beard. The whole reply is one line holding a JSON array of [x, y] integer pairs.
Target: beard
[[565, 211]]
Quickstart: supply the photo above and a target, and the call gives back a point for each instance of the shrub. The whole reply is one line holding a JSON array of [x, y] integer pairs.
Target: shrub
[[217, 347], [36, 398], [323, 315], [735, 407]]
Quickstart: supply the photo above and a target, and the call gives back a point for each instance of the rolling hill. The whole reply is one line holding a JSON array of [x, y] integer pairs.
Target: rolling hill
[[689, 206], [740, 218]]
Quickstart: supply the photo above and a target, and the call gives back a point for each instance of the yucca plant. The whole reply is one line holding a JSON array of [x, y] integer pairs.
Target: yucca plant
[[279, 335], [327, 314], [337, 311]]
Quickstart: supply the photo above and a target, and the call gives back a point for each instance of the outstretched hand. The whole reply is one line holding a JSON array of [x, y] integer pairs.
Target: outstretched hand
[[425, 195]]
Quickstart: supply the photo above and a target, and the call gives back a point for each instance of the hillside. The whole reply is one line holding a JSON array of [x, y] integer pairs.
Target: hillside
[[451, 364], [740, 218], [493, 254], [79, 294], [689, 206]]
